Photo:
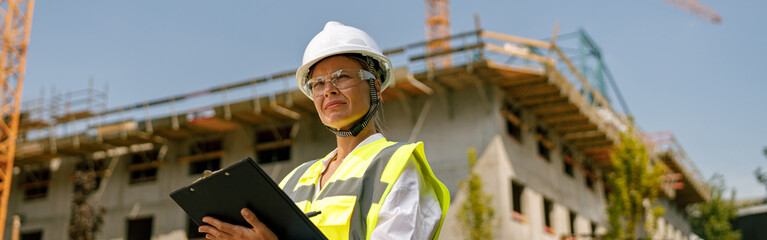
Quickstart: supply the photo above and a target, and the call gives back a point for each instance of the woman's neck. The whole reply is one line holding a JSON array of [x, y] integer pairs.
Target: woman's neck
[[346, 144]]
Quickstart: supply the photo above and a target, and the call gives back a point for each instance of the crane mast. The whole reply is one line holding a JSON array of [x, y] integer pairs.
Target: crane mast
[[437, 27], [16, 17]]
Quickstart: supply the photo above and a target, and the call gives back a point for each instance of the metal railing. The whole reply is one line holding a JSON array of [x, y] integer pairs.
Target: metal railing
[[665, 142]]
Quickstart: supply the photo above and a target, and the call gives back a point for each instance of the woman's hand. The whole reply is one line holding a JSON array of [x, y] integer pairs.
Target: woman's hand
[[221, 230]]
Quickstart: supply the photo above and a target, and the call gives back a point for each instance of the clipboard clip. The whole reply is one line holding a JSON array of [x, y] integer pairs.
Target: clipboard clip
[[206, 174]]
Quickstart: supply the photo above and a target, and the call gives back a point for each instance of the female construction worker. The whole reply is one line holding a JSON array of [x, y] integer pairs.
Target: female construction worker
[[368, 187]]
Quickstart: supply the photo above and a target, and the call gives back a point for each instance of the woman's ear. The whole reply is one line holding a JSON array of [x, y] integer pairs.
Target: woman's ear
[[378, 87]]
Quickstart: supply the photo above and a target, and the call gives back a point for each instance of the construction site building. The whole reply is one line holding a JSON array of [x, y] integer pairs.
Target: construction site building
[[536, 111]]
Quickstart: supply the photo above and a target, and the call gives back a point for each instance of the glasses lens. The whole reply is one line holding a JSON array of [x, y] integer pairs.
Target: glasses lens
[[341, 79], [345, 78], [316, 86]]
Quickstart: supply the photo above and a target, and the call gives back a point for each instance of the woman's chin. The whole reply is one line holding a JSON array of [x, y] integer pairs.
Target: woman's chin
[[340, 122], [339, 125]]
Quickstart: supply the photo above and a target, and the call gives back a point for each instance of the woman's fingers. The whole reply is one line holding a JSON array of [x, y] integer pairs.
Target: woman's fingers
[[222, 227], [261, 231], [212, 232], [251, 218], [221, 230]]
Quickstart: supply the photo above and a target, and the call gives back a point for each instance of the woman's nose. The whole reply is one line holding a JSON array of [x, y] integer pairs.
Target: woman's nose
[[330, 89]]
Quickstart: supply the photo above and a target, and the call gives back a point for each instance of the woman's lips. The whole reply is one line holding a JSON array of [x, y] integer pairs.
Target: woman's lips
[[333, 104]]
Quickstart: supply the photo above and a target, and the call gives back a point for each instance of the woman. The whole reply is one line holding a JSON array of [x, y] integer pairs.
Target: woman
[[368, 187]]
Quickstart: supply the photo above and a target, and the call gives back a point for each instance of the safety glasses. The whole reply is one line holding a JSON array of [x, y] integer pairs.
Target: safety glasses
[[341, 79]]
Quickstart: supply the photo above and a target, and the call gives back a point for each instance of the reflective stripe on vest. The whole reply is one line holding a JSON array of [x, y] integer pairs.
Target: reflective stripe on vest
[[292, 180], [352, 198]]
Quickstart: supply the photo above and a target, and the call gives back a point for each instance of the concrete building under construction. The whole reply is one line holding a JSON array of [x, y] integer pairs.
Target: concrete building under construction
[[537, 111]]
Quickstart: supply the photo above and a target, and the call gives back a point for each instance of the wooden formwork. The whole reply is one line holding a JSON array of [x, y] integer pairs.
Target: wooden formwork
[[690, 191], [556, 104], [79, 144], [35, 151]]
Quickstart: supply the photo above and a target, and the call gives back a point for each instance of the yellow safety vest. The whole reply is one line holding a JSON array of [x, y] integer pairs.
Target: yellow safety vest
[[352, 197]]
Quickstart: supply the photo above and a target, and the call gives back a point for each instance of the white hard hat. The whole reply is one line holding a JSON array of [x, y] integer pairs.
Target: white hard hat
[[335, 39]]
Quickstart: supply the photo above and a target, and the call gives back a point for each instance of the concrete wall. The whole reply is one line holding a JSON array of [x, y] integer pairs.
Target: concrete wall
[[452, 125], [497, 168], [49, 214], [674, 223], [506, 158]]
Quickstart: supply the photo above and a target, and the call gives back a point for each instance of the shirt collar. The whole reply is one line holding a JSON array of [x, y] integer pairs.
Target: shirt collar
[[368, 140]]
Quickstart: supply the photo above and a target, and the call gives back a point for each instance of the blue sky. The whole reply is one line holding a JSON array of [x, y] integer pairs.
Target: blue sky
[[704, 82]]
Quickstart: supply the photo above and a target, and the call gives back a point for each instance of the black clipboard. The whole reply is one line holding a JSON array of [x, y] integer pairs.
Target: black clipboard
[[244, 184]]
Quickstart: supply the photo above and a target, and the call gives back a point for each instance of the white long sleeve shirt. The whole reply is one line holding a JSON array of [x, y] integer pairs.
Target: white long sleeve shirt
[[410, 210]]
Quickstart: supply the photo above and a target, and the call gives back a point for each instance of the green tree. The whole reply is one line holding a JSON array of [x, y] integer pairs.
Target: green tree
[[476, 213], [761, 176], [711, 219], [85, 219], [635, 185]]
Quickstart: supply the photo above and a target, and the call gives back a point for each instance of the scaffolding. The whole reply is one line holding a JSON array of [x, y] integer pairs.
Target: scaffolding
[[80, 104], [33, 115]]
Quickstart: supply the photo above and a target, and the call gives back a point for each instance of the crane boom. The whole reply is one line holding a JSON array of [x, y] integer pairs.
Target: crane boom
[[16, 21], [695, 7]]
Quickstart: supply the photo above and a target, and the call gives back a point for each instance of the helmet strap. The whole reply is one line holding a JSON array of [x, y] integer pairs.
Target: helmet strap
[[377, 69], [365, 120]]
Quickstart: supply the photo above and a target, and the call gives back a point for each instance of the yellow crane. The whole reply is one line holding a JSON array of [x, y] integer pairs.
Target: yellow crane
[[16, 20]]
